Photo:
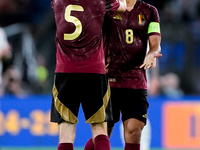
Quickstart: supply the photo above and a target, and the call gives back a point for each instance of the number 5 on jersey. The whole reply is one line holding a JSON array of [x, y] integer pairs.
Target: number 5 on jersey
[[73, 20]]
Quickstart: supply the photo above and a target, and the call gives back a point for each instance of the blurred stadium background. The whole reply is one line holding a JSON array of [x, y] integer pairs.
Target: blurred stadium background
[[25, 99]]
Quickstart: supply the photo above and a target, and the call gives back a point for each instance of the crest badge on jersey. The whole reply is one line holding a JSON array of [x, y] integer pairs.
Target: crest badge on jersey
[[141, 19]]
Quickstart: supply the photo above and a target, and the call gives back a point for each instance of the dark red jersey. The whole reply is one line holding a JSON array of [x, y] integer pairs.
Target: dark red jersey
[[126, 49], [79, 34]]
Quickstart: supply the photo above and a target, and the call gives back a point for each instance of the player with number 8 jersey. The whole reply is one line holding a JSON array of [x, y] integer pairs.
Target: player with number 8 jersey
[[127, 59], [131, 31]]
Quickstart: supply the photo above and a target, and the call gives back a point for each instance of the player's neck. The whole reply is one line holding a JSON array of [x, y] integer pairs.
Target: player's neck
[[130, 4]]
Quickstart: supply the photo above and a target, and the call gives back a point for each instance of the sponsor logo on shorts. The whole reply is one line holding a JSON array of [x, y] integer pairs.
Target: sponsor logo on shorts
[[112, 80], [145, 116]]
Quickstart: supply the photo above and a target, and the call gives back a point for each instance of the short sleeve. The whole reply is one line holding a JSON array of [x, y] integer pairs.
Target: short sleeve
[[154, 15], [112, 5], [154, 23]]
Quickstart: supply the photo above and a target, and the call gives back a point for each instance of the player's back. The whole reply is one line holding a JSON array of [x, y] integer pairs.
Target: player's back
[[79, 27]]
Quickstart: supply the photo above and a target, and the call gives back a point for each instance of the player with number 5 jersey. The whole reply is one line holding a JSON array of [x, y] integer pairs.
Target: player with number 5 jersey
[[79, 35], [80, 74]]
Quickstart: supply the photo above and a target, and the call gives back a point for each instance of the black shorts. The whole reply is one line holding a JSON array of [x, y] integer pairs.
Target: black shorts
[[72, 89], [130, 103]]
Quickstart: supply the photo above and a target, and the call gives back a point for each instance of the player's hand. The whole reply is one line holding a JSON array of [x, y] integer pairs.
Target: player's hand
[[150, 60]]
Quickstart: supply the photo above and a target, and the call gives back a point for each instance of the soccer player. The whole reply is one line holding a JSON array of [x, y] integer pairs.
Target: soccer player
[[80, 74], [127, 62]]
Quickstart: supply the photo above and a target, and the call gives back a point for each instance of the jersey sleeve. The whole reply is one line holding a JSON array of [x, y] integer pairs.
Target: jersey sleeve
[[112, 5], [154, 23]]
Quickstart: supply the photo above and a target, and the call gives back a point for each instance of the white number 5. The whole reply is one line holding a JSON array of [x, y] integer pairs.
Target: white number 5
[[73, 20]]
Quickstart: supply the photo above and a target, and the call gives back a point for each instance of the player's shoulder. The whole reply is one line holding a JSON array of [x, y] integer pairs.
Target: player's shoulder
[[147, 5]]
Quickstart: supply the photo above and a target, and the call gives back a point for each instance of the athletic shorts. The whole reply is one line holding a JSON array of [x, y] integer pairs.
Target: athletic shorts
[[72, 89], [129, 103]]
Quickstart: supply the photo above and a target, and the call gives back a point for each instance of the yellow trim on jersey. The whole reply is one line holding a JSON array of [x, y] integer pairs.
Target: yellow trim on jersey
[[154, 27]]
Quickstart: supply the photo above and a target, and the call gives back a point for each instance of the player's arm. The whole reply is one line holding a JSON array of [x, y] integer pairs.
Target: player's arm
[[6, 52], [154, 52], [153, 79], [154, 43], [122, 7]]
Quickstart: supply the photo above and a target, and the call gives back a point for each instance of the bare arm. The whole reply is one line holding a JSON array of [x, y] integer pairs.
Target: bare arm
[[153, 78], [154, 52], [6, 52]]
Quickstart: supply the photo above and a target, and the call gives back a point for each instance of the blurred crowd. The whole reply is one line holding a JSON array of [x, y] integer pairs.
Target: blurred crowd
[[28, 57]]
